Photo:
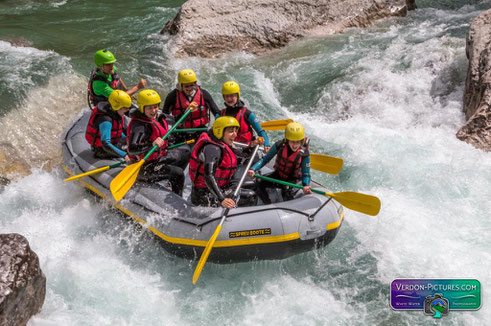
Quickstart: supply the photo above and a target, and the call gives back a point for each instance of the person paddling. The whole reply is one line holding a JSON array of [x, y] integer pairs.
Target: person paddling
[[104, 79], [292, 164], [105, 130], [213, 163], [145, 132], [179, 100], [235, 107]]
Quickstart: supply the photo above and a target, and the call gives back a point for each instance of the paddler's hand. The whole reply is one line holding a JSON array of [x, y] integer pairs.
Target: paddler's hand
[[251, 173], [158, 142], [307, 190], [193, 106], [142, 83], [228, 203], [128, 159], [266, 149], [258, 141]]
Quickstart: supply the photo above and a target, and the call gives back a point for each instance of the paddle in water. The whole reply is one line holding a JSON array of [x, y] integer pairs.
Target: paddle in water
[[211, 242], [362, 203]]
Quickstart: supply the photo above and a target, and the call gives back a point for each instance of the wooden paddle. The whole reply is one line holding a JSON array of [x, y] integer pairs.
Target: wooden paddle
[[126, 178], [211, 242], [362, 203]]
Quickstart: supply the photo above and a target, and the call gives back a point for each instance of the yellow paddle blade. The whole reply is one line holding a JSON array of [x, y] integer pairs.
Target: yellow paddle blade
[[362, 203], [124, 180], [276, 124], [205, 254], [78, 176], [326, 163]]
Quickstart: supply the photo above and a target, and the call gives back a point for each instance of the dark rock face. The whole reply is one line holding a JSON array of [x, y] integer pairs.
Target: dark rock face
[[477, 94], [22, 283], [209, 28]]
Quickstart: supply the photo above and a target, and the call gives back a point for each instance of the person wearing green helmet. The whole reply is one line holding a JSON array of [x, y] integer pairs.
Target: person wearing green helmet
[[292, 164], [104, 79], [180, 99]]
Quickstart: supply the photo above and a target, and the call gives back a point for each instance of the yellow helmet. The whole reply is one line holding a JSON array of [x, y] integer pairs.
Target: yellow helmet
[[147, 97], [119, 99], [223, 122], [186, 76], [231, 87], [294, 131]]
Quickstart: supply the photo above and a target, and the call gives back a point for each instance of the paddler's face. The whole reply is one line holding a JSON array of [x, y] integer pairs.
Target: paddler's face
[[108, 68], [295, 144], [229, 135], [188, 89], [151, 111], [231, 99]]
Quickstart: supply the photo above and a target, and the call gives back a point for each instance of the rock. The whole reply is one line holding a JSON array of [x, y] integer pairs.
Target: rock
[[22, 283], [209, 28], [477, 93]]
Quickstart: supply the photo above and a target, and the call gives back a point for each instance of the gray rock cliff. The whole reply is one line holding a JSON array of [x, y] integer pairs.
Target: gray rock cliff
[[22, 283], [477, 93], [209, 28]]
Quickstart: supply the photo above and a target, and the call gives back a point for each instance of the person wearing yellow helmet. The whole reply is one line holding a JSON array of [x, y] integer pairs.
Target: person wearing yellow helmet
[[188, 93], [292, 164], [212, 166], [146, 130], [104, 79], [105, 130], [236, 108]]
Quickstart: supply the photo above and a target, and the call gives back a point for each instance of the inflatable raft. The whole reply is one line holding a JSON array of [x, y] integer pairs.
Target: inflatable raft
[[274, 231]]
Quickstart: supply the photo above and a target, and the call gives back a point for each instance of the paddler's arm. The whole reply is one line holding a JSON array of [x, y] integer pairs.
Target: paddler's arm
[[105, 129], [305, 167], [263, 161], [169, 102], [210, 156], [210, 103], [257, 127]]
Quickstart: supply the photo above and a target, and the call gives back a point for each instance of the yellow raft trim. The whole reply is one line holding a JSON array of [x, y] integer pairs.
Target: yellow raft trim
[[201, 243]]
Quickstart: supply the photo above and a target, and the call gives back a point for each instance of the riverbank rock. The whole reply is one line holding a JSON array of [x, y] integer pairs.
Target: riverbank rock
[[477, 93], [209, 28], [22, 283]]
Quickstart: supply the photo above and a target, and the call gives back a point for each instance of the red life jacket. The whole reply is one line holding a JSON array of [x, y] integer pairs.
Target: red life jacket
[[158, 130], [95, 99], [245, 132], [93, 134], [196, 119], [289, 167], [224, 171]]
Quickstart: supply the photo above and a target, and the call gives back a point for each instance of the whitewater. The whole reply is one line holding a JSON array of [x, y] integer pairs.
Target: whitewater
[[387, 99]]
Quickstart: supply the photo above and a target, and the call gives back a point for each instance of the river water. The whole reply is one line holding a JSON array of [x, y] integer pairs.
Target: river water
[[386, 99]]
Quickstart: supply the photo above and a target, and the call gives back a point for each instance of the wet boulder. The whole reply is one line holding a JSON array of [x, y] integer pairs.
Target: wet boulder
[[209, 28], [22, 283], [477, 93]]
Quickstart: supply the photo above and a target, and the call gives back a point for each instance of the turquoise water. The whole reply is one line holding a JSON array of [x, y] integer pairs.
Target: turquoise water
[[387, 99]]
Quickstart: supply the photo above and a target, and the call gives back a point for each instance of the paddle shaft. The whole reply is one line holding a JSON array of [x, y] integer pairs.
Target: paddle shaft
[[190, 130], [211, 242], [102, 169], [168, 133]]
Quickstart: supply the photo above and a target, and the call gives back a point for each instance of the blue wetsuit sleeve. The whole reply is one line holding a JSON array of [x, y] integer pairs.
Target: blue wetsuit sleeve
[[306, 171], [257, 127], [105, 129], [265, 159]]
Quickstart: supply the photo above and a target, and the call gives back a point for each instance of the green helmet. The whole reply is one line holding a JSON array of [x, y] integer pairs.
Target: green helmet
[[103, 56]]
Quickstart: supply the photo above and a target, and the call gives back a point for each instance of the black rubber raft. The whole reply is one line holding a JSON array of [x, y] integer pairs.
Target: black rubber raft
[[274, 231]]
